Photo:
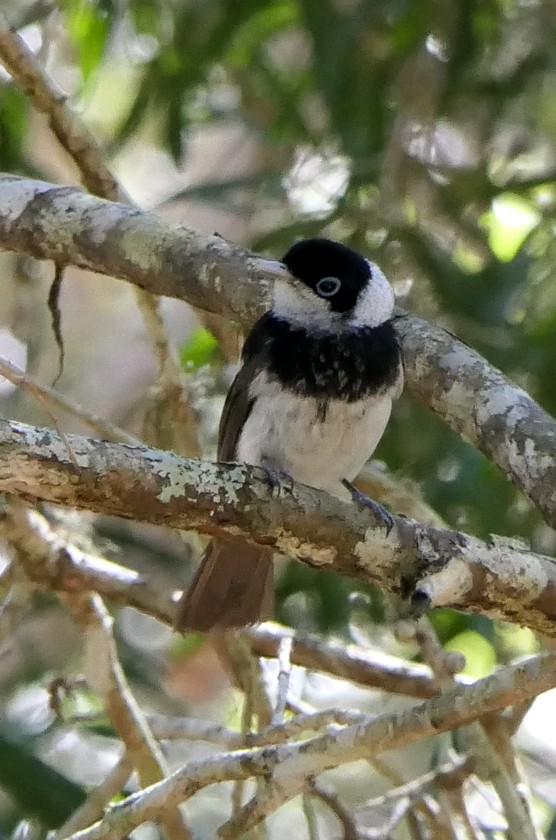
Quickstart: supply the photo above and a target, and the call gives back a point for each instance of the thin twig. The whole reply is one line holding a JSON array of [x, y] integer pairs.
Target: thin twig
[[17, 601], [246, 720], [362, 666], [290, 764], [253, 812], [498, 764], [74, 137], [93, 807], [310, 815], [332, 802], [55, 399], [244, 670], [283, 680], [104, 671], [106, 676]]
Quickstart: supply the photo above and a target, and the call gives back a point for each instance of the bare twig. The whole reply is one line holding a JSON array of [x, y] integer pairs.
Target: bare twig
[[106, 676], [174, 728], [310, 817], [283, 680], [55, 399], [47, 97], [49, 559], [86, 154], [244, 670], [343, 816], [17, 600], [93, 807], [254, 812], [290, 764], [104, 671], [350, 662], [498, 765]]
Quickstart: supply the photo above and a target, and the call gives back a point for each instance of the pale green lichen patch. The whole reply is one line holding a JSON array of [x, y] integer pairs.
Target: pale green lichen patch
[[224, 487], [175, 476], [72, 224], [514, 569], [528, 461], [456, 401], [500, 402], [373, 552], [206, 478], [99, 224], [36, 439], [138, 245], [453, 360], [61, 451], [210, 276]]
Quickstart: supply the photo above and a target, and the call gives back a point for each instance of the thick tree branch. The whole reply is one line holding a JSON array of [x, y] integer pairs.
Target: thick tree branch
[[476, 400], [71, 227], [74, 228], [48, 559], [498, 578]]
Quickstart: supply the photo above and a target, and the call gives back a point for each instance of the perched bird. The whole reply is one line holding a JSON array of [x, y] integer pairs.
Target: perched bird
[[312, 398]]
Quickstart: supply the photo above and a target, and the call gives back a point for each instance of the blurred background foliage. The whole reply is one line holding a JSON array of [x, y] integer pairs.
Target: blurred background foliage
[[422, 132]]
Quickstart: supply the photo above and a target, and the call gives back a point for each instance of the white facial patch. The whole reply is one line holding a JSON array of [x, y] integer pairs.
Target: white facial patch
[[375, 304], [297, 304], [300, 306]]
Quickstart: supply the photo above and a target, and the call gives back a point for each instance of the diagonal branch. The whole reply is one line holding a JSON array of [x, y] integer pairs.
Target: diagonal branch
[[479, 403], [498, 578], [289, 765], [71, 227]]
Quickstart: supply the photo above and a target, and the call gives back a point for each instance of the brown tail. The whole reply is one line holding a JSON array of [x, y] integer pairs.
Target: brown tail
[[233, 587]]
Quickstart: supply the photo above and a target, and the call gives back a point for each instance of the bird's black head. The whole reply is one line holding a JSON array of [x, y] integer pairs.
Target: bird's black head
[[332, 270], [334, 288]]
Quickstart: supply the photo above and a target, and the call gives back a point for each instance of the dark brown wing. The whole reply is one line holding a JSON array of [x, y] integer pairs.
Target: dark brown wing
[[233, 585], [238, 404]]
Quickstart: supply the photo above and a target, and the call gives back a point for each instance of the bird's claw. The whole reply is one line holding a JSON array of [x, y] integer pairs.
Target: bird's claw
[[276, 477], [364, 500]]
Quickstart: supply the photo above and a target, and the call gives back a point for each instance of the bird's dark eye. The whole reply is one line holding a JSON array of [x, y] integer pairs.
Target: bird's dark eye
[[328, 286]]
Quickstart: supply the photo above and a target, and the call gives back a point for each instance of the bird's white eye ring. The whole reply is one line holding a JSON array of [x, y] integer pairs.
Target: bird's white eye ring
[[328, 286]]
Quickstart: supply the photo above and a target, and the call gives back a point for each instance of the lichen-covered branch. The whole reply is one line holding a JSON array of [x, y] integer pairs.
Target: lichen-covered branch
[[48, 559], [476, 400], [499, 578], [74, 228], [47, 97], [71, 227]]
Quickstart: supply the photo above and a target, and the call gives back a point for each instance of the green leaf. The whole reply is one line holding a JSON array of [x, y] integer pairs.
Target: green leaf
[[510, 222], [13, 127], [479, 654], [88, 26], [199, 349]]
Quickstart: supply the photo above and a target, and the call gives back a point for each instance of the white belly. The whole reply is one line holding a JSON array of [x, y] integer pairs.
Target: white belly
[[285, 430]]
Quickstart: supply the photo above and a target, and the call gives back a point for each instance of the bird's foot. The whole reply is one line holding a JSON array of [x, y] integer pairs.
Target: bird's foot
[[361, 499], [276, 478]]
